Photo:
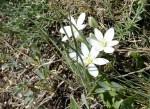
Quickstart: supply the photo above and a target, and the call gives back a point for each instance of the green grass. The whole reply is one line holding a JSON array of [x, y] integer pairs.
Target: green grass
[[36, 69]]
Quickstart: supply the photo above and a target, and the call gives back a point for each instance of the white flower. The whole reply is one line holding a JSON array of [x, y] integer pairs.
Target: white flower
[[103, 43], [89, 59], [69, 31]]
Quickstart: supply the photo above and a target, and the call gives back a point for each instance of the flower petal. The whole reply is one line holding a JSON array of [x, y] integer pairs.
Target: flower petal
[[81, 19], [112, 43], [81, 59], [80, 27], [66, 30], [98, 34], [99, 48], [109, 49], [93, 70], [65, 38], [73, 55], [84, 50], [72, 20], [77, 34], [93, 41], [94, 53], [109, 35], [100, 61]]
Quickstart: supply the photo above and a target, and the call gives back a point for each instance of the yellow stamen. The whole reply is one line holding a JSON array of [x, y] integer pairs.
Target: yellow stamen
[[103, 43], [88, 60]]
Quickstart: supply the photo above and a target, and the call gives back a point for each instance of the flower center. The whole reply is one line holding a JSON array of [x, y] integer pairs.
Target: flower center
[[88, 60], [103, 43]]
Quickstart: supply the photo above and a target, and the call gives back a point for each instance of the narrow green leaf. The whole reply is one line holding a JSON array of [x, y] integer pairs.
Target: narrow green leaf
[[116, 85], [73, 103], [100, 90], [127, 103], [105, 85], [117, 104], [85, 101]]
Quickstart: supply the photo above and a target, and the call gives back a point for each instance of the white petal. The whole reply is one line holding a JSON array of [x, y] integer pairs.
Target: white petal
[[99, 48], [73, 55], [66, 30], [94, 52], [73, 21], [84, 49], [98, 34], [109, 35], [94, 42], [93, 70], [62, 30], [81, 58], [89, 38], [100, 61], [80, 27], [112, 43], [109, 50], [65, 38], [77, 34], [81, 19]]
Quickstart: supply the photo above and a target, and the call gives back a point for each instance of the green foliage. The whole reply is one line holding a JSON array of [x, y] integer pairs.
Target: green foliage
[[110, 94], [74, 104], [129, 18], [85, 101], [138, 59], [128, 103]]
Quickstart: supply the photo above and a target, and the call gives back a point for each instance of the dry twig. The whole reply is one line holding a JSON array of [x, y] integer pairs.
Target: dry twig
[[131, 73]]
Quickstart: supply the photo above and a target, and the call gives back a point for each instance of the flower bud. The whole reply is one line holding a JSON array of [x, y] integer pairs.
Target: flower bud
[[91, 35], [92, 22]]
